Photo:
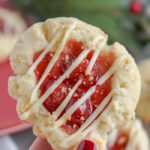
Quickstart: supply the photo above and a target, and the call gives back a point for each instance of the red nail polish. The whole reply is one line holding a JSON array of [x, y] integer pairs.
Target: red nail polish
[[87, 145]]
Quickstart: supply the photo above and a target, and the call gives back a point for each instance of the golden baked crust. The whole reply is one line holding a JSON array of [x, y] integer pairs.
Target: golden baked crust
[[126, 82], [136, 136]]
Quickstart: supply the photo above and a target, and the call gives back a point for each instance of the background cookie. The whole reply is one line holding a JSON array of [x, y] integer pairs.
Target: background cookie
[[142, 109], [131, 137], [12, 25], [80, 47]]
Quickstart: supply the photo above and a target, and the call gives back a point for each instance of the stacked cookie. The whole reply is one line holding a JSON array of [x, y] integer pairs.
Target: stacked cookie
[[12, 25], [130, 137], [143, 110], [71, 85]]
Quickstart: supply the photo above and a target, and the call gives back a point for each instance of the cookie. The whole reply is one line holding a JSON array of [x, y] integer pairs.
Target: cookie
[[70, 84], [131, 137], [11, 26], [142, 109]]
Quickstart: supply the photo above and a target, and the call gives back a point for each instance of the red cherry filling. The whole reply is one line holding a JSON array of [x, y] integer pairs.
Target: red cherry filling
[[70, 53], [121, 141], [87, 145]]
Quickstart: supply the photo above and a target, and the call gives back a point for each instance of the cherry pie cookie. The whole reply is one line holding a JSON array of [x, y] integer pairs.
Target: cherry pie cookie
[[131, 137], [71, 85], [11, 26]]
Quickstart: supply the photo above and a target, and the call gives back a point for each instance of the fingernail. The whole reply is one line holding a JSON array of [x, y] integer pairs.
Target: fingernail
[[87, 145]]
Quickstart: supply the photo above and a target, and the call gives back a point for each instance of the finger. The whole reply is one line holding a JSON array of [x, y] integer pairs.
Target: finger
[[40, 144]]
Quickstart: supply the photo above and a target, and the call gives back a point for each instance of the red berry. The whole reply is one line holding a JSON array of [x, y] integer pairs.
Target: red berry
[[136, 8], [87, 145]]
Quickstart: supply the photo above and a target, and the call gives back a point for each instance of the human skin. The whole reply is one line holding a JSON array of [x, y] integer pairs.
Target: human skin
[[39, 144]]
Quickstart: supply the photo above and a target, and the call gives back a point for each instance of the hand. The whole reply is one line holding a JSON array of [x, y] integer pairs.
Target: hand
[[40, 144]]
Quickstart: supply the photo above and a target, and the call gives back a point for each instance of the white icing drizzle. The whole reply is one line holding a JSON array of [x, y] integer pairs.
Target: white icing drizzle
[[101, 80], [96, 122], [98, 110], [54, 58], [106, 111], [60, 80], [50, 46], [25, 115], [73, 108], [96, 53], [111, 70], [66, 100], [100, 107], [64, 76]]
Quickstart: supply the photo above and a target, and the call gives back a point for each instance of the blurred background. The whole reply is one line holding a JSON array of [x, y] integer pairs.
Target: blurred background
[[125, 21]]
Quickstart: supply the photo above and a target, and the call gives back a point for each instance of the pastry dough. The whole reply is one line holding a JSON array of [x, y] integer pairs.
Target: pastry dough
[[13, 26], [51, 37], [131, 137]]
